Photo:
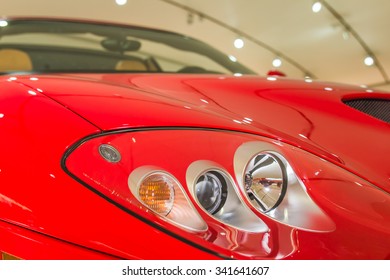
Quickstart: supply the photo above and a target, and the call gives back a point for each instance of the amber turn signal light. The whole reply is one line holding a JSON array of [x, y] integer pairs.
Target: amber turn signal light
[[157, 193]]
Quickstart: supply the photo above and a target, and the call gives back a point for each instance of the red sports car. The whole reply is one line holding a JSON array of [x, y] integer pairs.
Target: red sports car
[[122, 142]]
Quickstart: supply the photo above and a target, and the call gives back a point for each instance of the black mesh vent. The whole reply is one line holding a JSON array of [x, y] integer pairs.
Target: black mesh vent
[[378, 108]]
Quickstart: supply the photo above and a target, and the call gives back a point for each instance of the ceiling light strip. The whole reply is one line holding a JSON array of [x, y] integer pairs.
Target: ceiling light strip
[[363, 44], [242, 35]]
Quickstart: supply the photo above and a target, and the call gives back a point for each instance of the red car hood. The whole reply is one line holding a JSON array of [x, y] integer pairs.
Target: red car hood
[[309, 115]]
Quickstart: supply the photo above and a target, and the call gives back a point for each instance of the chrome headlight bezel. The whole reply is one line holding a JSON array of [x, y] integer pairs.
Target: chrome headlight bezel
[[295, 207]]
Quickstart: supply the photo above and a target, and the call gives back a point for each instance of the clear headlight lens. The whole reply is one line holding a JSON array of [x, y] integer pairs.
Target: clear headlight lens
[[265, 181], [211, 191]]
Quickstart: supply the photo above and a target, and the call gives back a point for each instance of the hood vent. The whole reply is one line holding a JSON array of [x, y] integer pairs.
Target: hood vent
[[377, 108]]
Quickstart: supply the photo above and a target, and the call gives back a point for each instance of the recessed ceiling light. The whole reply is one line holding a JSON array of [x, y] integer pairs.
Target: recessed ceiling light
[[121, 2], [277, 62], [238, 43], [369, 60], [317, 6]]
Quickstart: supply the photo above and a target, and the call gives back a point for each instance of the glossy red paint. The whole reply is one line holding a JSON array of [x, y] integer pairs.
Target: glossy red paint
[[291, 111], [40, 199], [56, 216], [27, 244]]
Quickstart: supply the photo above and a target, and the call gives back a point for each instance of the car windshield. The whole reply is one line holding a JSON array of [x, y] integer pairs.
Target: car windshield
[[47, 46]]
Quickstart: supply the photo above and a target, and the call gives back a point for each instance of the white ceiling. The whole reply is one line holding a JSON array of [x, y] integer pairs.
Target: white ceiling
[[314, 41]]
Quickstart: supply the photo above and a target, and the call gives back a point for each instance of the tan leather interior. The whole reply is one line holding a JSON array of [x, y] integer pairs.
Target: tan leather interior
[[14, 60], [130, 65]]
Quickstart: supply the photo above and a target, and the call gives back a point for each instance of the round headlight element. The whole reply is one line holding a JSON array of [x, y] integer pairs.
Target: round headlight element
[[265, 181], [157, 192], [211, 191]]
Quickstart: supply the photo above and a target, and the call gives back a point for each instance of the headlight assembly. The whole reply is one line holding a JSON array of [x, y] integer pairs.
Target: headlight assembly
[[235, 194]]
